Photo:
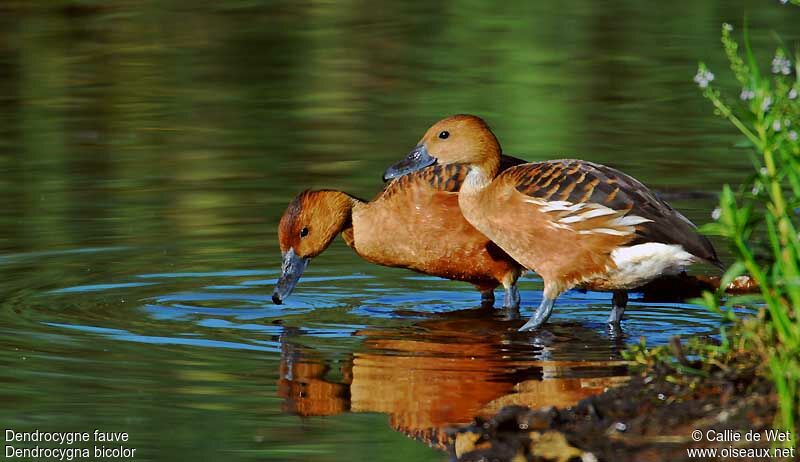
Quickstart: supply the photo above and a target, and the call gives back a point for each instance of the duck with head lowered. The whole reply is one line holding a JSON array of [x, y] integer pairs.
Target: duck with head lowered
[[414, 223], [575, 223]]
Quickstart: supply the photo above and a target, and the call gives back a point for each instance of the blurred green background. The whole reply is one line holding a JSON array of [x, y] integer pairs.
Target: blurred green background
[[148, 148]]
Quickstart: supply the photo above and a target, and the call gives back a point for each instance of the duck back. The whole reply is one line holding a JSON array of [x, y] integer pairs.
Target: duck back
[[577, 181], [416, 223]]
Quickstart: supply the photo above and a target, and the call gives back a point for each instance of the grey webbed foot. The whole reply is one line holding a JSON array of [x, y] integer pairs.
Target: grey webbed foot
[[619, 303], [540, 316]]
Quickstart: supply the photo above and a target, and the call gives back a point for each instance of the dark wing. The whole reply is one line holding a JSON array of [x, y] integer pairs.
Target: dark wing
[[578, 181], [507, 162]]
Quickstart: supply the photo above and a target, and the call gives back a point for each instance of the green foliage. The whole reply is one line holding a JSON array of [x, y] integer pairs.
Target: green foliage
[[671, 361], [764, 208]]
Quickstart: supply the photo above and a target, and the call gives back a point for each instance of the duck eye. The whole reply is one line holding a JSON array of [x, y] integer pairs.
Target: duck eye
[[304, 232], [444, 134]]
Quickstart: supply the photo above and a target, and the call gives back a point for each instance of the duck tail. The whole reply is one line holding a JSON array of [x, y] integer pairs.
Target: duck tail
[[716, 262]]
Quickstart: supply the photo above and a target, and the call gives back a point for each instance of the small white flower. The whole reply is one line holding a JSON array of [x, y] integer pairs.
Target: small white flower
[[766, 104], [716, 213], [747, 94], [781, 65], [776, 126], [703, 77], [787, 123], [727, 27], [783, 2], [793, 135], [763, 171], [793, 93], [756, 189]]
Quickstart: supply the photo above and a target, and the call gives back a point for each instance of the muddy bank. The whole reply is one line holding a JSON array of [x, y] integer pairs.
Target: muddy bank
[[651, 418]]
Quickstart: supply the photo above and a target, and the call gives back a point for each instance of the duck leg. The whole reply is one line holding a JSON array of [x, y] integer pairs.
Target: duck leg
[[511, 302], [619, 301], [487, 297], [511, 299], [541, 314]]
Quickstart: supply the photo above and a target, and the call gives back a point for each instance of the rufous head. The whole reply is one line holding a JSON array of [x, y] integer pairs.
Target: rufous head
[[458, 139], [308, 226]]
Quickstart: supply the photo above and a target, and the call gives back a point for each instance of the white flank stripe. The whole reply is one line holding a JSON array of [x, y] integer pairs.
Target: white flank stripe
[[613, 232], [631, 220], [555, 206], [571, 219], [560, 206], [555, 225], [535, 201], [599, 212]]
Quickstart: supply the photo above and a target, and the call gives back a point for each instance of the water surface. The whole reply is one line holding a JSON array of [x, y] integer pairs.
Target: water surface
[[147, 151]]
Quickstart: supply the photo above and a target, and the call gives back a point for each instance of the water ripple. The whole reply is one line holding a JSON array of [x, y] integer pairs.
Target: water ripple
[[101, 287], [124, 335]]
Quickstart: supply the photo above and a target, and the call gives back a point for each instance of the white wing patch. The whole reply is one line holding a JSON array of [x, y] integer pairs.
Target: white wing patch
[[568, 214], [611, 231], [597, 212], [556, 206], [631, 220]]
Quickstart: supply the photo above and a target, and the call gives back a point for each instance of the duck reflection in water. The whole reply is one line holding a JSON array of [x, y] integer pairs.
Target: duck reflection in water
[[448, 369]]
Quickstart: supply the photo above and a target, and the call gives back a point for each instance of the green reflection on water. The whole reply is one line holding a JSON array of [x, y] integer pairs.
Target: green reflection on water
[[157, 138]]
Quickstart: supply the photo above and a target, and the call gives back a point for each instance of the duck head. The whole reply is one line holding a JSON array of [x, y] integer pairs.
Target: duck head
[[308, 226], [458, 139]]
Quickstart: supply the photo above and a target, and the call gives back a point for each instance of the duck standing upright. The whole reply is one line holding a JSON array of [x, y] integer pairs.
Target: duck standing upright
[[414, 223], [575, 223]]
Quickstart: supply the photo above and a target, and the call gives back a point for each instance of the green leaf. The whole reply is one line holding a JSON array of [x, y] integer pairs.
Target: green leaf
[[734, 271]]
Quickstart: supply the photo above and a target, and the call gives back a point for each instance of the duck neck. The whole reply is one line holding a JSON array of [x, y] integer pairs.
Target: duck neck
[[480, 175], [339, 206], [349, 205]]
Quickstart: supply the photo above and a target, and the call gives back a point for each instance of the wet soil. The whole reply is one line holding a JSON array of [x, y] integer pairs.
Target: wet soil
[[651, 418]]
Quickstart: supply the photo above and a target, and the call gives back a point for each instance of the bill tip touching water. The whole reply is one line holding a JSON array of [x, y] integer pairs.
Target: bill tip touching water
[[308, 226]]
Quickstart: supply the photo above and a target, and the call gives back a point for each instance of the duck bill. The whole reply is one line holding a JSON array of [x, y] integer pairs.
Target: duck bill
[[417, 159], [292, 268]]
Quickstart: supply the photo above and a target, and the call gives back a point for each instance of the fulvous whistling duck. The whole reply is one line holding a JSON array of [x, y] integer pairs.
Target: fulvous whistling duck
[[414, 223], [573, 222]]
